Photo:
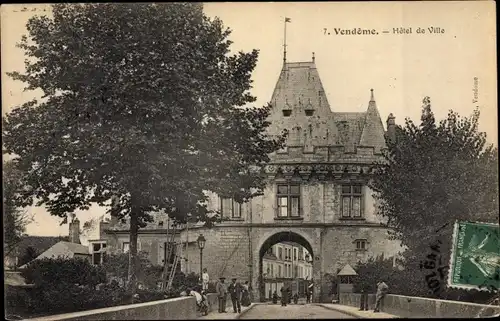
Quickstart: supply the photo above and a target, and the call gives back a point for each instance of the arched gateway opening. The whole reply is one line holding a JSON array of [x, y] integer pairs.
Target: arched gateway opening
[[285, 259]]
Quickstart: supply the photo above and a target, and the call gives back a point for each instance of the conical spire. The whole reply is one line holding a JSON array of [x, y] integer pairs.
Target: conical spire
[[373, 129]]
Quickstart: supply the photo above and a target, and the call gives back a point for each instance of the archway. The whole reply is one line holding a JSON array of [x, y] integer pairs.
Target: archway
[[292, 279]]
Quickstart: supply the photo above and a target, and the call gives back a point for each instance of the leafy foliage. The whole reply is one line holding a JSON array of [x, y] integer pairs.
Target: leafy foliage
[[49, 271], [435, 174], [29, 254], [146, 112], [69, 285], [409, 281], [117, 265], [15, 219]]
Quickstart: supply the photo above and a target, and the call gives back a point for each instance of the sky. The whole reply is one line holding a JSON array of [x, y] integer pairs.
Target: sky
[[401, 68]]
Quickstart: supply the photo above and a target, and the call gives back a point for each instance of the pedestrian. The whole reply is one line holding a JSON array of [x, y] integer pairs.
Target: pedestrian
[[382, 290], [234, 290], [310, 290], [308, 295], [245, 295], [289, 295], [221, 294], [275, 297], [284, 296], [205, 279]]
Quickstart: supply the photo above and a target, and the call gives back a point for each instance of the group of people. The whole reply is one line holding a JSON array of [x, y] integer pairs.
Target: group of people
[[240, 294], [286, 295]]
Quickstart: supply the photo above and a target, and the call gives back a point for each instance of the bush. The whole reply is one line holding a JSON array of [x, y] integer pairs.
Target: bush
[[69, 285], [409, 281], [48, 272]]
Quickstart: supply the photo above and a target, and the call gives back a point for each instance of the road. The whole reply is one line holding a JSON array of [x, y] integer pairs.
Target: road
[[307, 311]]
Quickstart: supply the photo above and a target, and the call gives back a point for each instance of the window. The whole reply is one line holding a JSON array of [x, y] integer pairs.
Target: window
[[288, 200], [230, 208], [98, 253], [360, 245], [280, 253], [268, 269], [125, 247], [295, 271], [272, 270], [295, 254], [287, 112], [351, 201], [160, 223], [279, 271]]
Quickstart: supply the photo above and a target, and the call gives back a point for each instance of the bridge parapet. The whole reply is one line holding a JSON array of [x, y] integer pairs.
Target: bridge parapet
[[408, 306]]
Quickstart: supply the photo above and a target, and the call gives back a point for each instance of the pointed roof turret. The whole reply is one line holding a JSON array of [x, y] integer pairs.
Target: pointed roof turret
[[373, 129], [347, 270]]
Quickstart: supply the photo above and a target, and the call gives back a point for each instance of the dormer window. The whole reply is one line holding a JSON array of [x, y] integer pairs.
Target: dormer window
[[160, 223], [309, 112], [287, 112]]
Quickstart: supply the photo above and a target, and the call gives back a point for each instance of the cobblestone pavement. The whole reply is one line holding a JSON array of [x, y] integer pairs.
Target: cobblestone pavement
[[292, 311], [355, 311], [214, 315]]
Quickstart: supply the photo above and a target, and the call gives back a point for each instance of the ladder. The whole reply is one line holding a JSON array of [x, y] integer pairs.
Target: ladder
[[173, 269], [167, 274]]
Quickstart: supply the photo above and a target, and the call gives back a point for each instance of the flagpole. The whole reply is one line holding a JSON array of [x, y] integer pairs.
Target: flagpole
[[284, 45]]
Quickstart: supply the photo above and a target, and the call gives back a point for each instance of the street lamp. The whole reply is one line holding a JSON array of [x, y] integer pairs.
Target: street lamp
[[201, 244]]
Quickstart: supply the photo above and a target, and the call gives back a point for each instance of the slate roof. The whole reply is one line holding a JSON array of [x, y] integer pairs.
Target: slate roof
[[299, 88], [39, 243], [65, 249], [76, 248], [269, 256]]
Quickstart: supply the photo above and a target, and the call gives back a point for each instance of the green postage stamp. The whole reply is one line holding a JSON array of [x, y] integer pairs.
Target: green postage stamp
[[475, 257]]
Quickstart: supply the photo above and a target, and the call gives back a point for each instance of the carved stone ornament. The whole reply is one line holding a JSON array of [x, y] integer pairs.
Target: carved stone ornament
[[319, 170]]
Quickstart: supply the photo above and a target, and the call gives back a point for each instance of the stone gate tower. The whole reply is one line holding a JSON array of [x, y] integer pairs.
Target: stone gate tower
[[316, 194]]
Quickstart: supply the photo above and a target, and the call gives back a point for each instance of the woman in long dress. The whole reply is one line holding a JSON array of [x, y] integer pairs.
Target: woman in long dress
[[284, 296], [245, 297]]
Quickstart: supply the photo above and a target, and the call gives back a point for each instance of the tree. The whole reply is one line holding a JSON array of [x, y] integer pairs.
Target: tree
[[15, 219], [148, 111], [30, 253], [432, 175]]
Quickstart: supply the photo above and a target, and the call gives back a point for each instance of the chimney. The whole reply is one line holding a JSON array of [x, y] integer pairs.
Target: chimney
[[74, 231], [103, 226], [391, 128]]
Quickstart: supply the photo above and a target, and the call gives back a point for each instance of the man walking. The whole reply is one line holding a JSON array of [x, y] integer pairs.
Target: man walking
[[221, 294], [235, 292], [382, 290]]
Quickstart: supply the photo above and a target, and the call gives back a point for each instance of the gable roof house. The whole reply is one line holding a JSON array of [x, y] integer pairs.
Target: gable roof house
[[38, 243], [71, 249]]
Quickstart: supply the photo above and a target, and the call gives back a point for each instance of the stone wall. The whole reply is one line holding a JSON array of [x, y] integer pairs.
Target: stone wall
[[170, 309], [415, 307]]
